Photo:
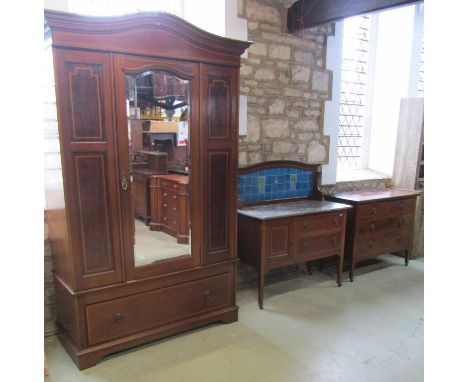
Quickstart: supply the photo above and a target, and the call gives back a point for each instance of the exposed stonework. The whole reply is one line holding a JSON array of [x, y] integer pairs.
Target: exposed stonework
[[285, 83]]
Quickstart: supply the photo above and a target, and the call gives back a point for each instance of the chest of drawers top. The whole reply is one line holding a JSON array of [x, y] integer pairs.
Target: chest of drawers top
[[369, 196]]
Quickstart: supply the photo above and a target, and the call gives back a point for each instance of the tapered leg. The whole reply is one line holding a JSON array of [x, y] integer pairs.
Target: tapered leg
[[351, 270], [261, 285], [309, 267], [339, 270], [406, 257]]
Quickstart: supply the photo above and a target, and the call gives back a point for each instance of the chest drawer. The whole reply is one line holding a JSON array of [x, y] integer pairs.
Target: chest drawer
[[128, 315], [386, 242], [170, 185], [402, 206], [370, 210], [305, 225], [375, 226], [317, 244]]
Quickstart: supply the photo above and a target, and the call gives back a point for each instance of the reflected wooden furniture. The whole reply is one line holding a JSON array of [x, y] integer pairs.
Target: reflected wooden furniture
[[381, 222], [156, 163], [170, 210], [281, 234], [105, 303]]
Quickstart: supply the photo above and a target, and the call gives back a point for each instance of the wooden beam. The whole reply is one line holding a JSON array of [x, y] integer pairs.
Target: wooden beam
[[316, 12]]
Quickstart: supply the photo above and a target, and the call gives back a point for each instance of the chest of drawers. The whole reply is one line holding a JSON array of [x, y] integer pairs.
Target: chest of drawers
[[170, 210], [281, 234], [380, 222]]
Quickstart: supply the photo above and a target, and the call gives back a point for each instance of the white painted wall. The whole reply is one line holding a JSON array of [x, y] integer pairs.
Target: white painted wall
[[391, 79], [332, 107]]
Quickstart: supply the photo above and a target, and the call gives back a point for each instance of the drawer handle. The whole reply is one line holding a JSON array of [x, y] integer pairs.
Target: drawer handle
[[372, 226], [398, 239], [165, 205], [165, 217], [402, 205], [175, 209], [335, 221], [400, 221], [306, 225], [334, 240], [207, 294], [118, 318], [165, 194], [305, 246], [374, 210], [371, 243], [175, 197], [291, 241]]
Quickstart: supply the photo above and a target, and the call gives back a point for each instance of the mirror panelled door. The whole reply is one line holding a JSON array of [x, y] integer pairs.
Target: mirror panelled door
[[158, 137]]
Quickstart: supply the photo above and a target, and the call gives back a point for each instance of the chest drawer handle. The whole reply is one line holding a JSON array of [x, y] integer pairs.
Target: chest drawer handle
[[306, 225], [305, 246], [165, 194], [335, 221], [165, 217], [118, 318], [175, 209], [371, 243], [374, 210], [402, 205], [334, 240], [165, 205], [207, 294], [400, 221], [174, 197], [398, 239], [372, 227]]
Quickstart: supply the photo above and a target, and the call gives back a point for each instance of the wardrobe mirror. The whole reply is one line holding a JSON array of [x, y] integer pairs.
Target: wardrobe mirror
[[158, 114]]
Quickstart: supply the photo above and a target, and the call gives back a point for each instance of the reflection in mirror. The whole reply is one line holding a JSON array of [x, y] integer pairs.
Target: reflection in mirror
[[158, 131]]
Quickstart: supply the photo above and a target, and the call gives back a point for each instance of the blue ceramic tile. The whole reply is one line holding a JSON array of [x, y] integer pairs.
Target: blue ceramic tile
[[248, 190], [268, 188]]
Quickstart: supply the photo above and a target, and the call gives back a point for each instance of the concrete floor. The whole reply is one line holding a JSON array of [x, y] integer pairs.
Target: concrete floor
[[310, 330]]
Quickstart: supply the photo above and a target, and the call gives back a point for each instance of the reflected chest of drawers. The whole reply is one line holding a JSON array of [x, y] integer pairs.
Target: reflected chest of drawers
[[276, 235], [381, 222], [169, 196]]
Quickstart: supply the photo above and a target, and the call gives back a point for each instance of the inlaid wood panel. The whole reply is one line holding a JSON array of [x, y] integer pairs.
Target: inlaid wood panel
[[219, 107], [93, 208], [85, 82], [218, 223]]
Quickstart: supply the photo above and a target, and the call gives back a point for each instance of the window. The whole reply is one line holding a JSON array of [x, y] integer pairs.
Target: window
[[354, 67]]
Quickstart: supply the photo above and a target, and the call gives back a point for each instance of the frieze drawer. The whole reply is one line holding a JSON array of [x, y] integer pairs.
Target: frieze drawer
[[128, 315]]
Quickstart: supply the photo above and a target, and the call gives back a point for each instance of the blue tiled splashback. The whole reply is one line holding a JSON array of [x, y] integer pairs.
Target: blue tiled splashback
[[275, 183]]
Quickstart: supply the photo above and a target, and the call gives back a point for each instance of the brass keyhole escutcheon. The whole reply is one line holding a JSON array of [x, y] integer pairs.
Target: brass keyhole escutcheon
[[124, 183], [118, 318]]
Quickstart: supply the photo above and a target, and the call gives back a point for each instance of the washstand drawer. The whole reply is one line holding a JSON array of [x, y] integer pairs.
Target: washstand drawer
[[305, 225], [380, 244], [401, 222], [317, 244], [129, 315]]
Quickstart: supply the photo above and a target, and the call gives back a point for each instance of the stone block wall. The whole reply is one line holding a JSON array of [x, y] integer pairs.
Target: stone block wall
[[286, 82]]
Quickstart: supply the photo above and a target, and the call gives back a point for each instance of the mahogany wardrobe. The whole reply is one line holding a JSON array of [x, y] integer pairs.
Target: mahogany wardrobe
[[122, 85]]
